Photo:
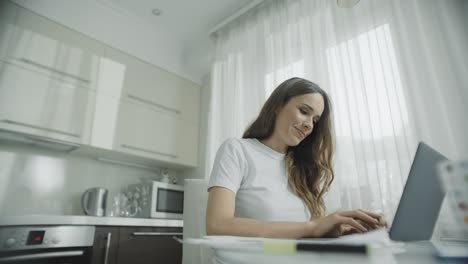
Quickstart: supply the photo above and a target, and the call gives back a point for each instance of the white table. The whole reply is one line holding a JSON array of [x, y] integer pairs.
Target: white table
[[410, 252]]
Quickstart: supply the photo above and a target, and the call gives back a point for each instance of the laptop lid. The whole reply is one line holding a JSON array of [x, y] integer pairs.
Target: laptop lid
[[421, 199]]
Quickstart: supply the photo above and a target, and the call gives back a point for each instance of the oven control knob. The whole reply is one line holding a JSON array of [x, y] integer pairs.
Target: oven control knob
[[10, 242], [55, 240]]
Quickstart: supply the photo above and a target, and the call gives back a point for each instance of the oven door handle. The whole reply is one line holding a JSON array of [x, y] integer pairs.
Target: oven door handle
[[57, 254]]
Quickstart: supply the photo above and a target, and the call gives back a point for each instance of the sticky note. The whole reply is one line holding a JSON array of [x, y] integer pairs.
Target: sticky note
[[279, 247]]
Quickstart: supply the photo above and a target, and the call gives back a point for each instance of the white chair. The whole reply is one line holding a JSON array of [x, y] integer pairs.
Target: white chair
[[195, 199]]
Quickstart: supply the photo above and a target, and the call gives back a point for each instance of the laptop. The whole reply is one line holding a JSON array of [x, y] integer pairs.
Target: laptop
[[421, 200]]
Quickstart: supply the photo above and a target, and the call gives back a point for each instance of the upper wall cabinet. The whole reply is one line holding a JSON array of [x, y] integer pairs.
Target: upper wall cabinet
[[41, 45], [61, 85], [8, 13], [156, 88], [157, 111], [144, 132], [33, 103], [47, 73]]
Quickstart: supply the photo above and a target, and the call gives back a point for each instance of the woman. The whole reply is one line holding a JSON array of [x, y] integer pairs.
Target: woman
[[271, 182]]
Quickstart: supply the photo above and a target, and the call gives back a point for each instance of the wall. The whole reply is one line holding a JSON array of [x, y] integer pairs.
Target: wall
[[41, 181], [201, 172], [125, 32]]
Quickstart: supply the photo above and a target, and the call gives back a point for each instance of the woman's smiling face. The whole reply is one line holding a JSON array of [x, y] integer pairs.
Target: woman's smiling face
[[296, 120]]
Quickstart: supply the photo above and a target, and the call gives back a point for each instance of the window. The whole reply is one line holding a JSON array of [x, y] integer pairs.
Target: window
[[371, 119], [273, 79], [366, 86]]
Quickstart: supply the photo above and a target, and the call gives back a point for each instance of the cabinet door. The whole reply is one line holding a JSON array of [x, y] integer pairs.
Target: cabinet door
[[106, 240], [8, 12], [149, 133], [48, 47], [36, 104], [163, 91], [149, 246]]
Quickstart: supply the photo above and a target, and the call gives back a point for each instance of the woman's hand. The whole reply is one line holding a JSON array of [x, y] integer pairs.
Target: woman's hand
[[345, 222], [379, 217]]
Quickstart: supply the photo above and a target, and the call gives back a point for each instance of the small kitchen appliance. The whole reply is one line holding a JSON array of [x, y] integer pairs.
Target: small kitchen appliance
[[159, 200], [93, 201]]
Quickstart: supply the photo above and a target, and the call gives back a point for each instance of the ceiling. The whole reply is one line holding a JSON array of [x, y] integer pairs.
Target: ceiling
[[188, 21]]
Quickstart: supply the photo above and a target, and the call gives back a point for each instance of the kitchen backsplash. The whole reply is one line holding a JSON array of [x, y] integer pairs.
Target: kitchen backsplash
[[36, 180]]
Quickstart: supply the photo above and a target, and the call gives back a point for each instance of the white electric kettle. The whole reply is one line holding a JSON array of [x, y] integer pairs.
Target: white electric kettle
[[93, 201]]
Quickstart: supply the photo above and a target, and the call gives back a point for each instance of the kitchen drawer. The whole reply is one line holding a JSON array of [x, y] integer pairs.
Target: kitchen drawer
[[149, 245]]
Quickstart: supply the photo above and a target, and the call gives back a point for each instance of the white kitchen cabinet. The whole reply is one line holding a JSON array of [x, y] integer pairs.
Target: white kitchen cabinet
[[59, 84], [33, 103], [50, 48], [145, 132], [48, 73], [8, 12], [151, 86], [127, 125], [103, 121], [158, 111]]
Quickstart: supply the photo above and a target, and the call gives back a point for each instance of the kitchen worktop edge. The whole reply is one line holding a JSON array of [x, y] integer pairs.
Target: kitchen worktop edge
[[31, 220]]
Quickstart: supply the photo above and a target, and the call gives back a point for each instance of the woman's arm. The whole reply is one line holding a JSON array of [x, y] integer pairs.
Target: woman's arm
[[220, 220]]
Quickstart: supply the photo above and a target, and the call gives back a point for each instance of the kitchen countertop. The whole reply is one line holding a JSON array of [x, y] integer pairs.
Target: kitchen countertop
[[23, 220]]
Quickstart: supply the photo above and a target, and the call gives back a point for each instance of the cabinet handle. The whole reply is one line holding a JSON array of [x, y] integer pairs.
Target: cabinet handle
[[106, 256], [36, 256], [33, 63], [149, 151], [39, 127], [157, 234], [175, 111]]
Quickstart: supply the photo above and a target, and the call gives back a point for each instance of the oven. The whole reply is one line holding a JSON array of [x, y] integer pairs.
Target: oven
[[46, 244]]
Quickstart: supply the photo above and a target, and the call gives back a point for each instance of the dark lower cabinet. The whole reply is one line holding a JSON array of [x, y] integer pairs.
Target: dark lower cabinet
[[106, 241], [137, 245], [149, 245]]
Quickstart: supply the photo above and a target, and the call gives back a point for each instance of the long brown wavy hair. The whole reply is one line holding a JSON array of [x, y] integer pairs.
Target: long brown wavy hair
[[309, 164]]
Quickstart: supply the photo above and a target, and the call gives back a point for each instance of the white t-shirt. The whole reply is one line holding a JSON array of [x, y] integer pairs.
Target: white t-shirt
[[256, 173]]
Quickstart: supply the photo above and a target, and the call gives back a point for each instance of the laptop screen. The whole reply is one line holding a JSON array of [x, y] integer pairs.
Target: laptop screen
[[421, 199]]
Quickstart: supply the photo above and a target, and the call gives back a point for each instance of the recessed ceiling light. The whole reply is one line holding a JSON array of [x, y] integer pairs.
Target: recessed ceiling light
[[157, 11]]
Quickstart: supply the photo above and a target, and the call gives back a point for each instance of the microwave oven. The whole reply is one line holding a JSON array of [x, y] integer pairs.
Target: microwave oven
[[165, 200]]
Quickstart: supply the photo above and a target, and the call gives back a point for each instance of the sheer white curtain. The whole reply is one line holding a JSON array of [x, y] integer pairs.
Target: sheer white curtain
[[396, 72]]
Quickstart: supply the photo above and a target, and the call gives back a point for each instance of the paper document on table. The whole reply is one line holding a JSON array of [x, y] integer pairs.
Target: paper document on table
[[378, 237], [227, 242], [352, 243]]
